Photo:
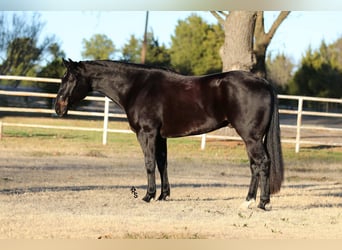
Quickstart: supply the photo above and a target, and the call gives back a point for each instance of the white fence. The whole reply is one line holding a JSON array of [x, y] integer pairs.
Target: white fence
[[300, 113], [106, 114]]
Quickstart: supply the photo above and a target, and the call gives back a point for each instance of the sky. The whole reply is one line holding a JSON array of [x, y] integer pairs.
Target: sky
[[300, 30]]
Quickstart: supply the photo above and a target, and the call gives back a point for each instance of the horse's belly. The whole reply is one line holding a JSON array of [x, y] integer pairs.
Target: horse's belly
[[184, 127]]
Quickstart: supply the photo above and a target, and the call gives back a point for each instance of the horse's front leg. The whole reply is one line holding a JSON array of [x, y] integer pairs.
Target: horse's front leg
[[161, 158], [147, 143]]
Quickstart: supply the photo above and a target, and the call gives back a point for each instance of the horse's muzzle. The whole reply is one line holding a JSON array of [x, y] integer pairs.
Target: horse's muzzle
[[61, 107]]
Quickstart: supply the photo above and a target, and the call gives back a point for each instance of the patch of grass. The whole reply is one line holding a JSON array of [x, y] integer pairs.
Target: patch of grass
[[28, 133], [96, 153], [17, 132], [46, 142], [308, 154]]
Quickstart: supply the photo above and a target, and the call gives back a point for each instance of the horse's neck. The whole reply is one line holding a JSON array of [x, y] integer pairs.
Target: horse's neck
[[115, 85]]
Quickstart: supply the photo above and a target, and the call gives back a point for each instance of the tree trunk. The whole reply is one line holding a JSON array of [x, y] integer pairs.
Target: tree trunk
[[263, 39], [237, 51], [246, 41]]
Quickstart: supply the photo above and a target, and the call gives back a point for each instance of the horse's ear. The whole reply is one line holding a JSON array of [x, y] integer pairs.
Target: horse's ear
[[69, 64], [66, 63]]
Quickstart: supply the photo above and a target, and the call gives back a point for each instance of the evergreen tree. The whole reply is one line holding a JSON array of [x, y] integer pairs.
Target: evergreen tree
[[319, 74], [157, 55], [195, 47], [131, 52], [335, 51]]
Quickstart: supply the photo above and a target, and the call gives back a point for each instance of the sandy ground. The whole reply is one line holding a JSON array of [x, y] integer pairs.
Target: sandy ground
[[90, 197]]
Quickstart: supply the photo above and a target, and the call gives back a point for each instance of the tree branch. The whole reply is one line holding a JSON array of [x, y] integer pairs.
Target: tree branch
[[259, 30], [219, 18], [276, 24], [223, 13]]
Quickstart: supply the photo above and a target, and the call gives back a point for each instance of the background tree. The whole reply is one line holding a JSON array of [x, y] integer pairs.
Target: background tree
[[279, 71], [195, 46], [98, 47], [131, 51], [53, 69], [20, 50], [246, 40], [21, 56], [319, 74], [335, 52], [156, 54]]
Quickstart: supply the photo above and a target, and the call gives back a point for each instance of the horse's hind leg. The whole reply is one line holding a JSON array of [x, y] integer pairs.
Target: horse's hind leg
[[161, 158], [253, 186], [260, 165]]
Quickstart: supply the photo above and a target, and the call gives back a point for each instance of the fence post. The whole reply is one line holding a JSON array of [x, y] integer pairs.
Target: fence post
[[204, 137], [105, 121], [299, 123]]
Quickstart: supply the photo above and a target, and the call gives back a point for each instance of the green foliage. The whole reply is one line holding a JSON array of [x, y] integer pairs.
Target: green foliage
[[22, 54], [20, 49], [156, 54], [131, 52], [53, 69], [98, 47], [320, 74], [335, 50], [195, 47]]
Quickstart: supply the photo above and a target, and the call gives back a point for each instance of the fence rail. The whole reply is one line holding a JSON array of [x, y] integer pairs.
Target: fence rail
[[300, 113], [106, 114]]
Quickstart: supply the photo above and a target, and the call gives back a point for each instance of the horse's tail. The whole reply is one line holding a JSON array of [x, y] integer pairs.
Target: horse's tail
[[273, 145]]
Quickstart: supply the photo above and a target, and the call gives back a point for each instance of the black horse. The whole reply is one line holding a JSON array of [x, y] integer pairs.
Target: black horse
[[160, 103]]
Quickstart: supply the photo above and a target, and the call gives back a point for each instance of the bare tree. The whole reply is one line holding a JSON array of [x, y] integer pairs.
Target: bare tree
[[246, 40]]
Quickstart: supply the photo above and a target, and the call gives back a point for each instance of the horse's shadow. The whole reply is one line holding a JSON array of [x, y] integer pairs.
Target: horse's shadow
[[45, 189]]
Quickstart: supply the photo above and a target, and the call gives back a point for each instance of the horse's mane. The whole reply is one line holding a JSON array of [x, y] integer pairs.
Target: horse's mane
[[129, 65]]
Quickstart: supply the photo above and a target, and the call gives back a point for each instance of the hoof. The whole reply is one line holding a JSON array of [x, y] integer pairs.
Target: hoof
[[265, 207], [148, 197], [268, 207], [164, 197], [247, 204]]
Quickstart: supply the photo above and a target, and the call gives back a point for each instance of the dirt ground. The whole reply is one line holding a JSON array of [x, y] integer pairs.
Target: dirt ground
[[90, 196]]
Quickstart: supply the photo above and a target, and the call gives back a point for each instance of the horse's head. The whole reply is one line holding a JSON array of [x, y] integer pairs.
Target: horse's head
[[74, 87]]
